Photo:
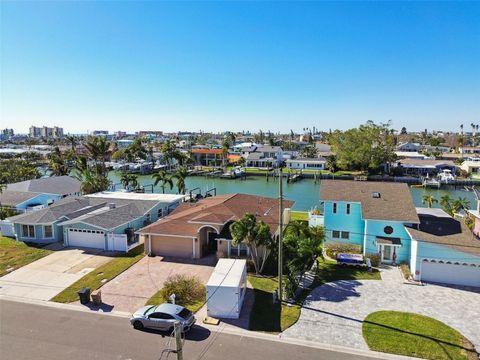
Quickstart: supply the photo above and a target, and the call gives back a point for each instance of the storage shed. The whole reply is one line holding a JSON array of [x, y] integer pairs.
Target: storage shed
[[226, 289]]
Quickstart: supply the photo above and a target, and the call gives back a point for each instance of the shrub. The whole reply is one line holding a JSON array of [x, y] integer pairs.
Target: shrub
[[187, 289], [374, 259], [333, 249], [405, 269]]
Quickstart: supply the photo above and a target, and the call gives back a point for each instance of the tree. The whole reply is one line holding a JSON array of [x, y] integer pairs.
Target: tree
[[72, 140], [225, 150], [98, 149], [460, 204], [331, 163], [92, 176], [16, 170], [58, 163], [256, 236], [310, 151], [164, 178], [180, 175], [364, 148], [403, 131], [429, 199], [129, 181]]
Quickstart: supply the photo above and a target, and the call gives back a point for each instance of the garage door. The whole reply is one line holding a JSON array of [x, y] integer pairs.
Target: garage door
[[172, 246], [457, 274], [86, 238]]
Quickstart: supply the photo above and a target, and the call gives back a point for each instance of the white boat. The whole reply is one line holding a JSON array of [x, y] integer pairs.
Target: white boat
[[446, 176]]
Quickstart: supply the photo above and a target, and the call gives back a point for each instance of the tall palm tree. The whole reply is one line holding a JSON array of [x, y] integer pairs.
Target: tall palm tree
[[58, 164], [72, 140], [459, 204], [429, 200], [461, 128], [256, 236], [180, 175], [163, 178], [98, 148]]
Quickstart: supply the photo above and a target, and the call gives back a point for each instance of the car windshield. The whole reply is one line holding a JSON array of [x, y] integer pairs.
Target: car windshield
[[150, 310], [185, 313]]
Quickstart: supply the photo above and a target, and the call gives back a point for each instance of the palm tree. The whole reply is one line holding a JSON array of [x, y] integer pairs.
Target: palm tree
[[98, 148], [164, 178], [129, 181], [180, 175], [225, 149], [72, 140], [429, 199], [461, 128], [460, 203], [256, 236]]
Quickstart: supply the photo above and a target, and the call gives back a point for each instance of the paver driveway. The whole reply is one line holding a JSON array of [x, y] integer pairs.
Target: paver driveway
[[48, 276], [333, 313], [131, 289]]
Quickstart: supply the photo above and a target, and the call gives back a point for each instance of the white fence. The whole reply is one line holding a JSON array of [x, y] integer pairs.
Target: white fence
[[119, 242], [7, 228]]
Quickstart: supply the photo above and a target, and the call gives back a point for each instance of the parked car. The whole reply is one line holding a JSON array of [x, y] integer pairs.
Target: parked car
[[345, 259], [162, 317]]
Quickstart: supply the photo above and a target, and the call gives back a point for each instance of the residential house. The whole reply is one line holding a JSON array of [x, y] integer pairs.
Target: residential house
[[306, 164], [195, 230], [106, 220], [469, 150], [471, 167], [381, 218], [409, 146], [422, 167], [264, 156], [207, 157], [36, 194]]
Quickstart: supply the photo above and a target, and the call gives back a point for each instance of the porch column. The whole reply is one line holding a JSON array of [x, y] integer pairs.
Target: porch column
[[365, 234]]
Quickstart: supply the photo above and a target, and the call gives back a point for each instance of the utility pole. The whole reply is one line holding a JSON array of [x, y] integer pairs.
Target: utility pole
[[280, 236], [177, 328]]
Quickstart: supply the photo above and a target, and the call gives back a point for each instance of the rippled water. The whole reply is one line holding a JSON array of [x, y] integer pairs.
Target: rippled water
[[305, 193]]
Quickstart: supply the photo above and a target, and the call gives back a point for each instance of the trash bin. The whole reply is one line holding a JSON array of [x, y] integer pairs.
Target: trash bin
[[97, 297], [84, 295]]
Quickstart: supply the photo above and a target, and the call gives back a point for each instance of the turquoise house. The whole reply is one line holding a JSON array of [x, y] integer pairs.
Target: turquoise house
[[380, 218]]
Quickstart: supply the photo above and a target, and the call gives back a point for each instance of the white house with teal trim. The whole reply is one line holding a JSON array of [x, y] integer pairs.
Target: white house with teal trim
[[381, 218], [106, 220]]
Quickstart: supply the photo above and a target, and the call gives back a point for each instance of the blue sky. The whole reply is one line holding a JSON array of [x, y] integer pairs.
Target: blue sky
[[239, 65]]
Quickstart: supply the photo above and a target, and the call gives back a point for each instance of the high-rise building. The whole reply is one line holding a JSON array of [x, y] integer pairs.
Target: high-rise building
[[46, 132]]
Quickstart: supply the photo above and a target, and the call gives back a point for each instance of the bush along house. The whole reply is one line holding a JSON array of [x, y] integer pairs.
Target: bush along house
[[382, 219]]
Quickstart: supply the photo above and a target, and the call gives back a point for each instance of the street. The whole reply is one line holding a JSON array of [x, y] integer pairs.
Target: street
[[40, 332]]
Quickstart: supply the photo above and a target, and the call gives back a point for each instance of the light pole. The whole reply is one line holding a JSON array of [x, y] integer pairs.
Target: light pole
[[280, 235]]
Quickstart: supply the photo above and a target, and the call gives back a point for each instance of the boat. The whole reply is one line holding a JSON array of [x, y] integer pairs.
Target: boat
[[446, 176]]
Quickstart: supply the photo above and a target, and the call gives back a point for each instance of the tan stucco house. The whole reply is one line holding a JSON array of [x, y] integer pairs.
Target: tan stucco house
[[194, 230]]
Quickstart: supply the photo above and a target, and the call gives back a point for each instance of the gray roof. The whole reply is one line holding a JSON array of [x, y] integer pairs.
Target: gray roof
[[255, 156], [61, 185], [268, 148], [13, 198], [394, 203], [88, 210]]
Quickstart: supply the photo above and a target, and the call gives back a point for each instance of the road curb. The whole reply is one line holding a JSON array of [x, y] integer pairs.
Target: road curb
[[223, 328]]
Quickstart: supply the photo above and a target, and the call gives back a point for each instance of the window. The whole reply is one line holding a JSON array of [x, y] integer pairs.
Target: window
[[28, 231], [161, 316], [345, 235], [334, 208], [388, 230], [348, 209], [47, 231], [336, 234], [160, 213]]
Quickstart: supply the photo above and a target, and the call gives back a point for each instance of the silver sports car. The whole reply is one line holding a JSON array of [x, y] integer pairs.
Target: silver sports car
[[162, 317]]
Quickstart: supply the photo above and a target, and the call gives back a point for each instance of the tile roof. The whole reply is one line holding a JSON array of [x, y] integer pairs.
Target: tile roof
[[219, 209], [394, 204], [61, 185], [207, 151], [444, 230]]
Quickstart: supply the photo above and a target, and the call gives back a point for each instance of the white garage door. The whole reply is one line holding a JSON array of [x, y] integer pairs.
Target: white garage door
[[468, 275], [86, 238]]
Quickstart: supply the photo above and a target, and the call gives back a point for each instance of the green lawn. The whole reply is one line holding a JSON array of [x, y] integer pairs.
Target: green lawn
[[415, 335], [15, 254], [157, 299], [266, 316], [299, 216], [93, 280]]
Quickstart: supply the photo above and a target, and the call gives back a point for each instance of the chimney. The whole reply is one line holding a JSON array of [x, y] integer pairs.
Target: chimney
[[287, 212], [111, 205]]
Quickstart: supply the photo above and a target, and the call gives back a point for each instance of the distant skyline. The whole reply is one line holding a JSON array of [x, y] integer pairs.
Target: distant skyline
[[217, 66]]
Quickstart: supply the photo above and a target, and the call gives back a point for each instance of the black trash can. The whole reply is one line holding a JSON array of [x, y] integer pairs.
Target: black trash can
[[84, 295]]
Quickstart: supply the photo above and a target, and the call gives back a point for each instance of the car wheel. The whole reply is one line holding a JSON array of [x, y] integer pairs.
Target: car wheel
[[138, 325]]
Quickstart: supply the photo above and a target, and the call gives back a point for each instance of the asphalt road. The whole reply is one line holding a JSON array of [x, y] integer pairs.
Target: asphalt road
[[41, 332]]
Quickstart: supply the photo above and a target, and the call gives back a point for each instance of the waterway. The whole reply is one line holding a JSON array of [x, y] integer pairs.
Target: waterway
[[305, 193]]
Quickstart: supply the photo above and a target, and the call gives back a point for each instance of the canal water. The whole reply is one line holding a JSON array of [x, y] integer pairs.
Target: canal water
[[305, 193]]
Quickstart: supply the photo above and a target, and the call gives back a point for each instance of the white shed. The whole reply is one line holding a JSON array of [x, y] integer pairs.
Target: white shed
[[226, 289]]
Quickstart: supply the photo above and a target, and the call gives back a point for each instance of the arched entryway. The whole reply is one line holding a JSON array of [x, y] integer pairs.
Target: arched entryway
[[207, 240]]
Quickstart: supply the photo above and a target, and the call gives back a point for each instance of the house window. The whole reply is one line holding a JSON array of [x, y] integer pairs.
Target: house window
[[345, 235], [28, 231], [348, 209], [336, 234], [334, 208], [148, 217], [160, 213], [47, 231]]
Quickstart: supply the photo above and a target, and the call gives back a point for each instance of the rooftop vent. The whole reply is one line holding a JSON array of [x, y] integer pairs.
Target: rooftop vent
[[111, 205], [376, 195]]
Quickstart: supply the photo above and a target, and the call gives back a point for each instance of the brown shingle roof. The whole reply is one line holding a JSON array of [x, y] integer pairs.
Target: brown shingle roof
[[188, 218], [395, 202]]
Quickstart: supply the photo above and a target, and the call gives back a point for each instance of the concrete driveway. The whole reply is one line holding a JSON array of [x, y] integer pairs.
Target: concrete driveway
[[333, 313], [131, 289], [48, 276]]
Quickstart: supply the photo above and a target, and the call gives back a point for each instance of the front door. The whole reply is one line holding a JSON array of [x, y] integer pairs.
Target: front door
[[387, 253]]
